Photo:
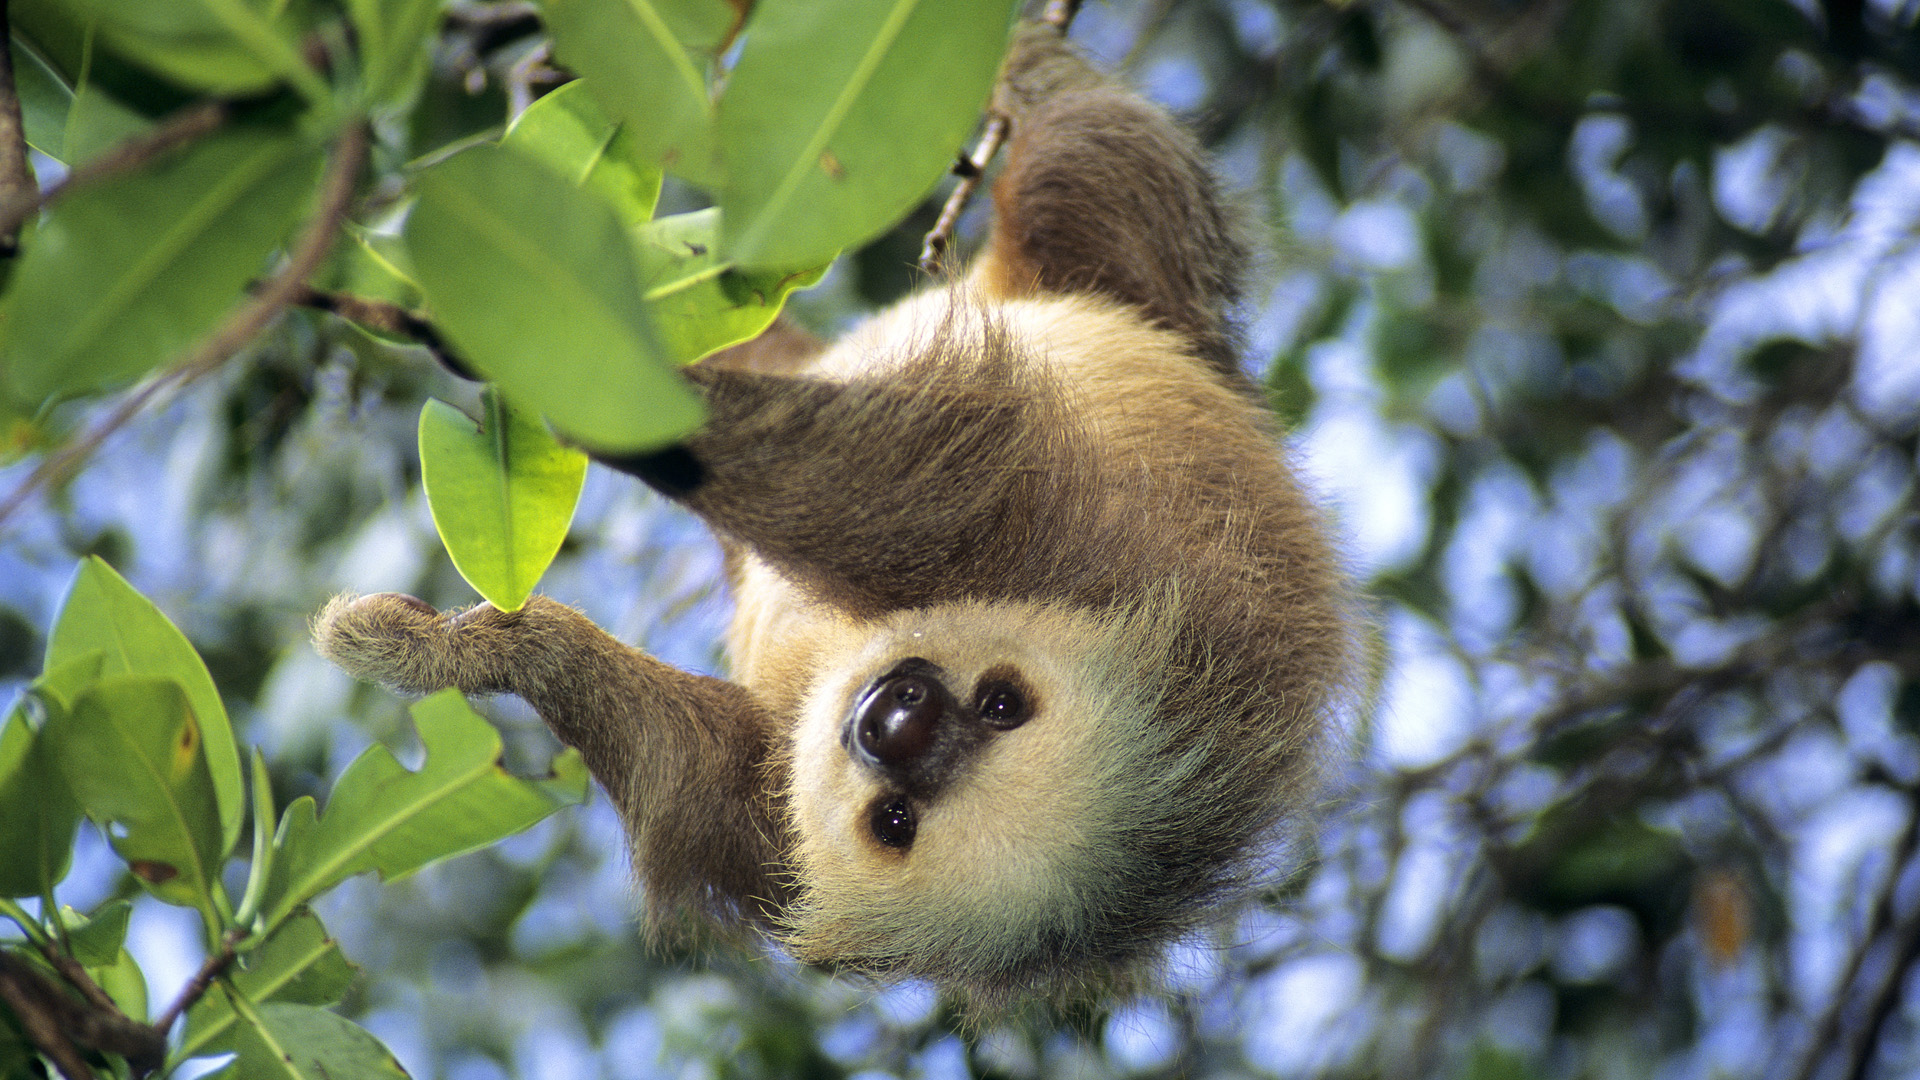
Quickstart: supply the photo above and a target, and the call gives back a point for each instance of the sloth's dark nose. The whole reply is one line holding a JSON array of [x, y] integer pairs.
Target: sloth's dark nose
[[898, 720]]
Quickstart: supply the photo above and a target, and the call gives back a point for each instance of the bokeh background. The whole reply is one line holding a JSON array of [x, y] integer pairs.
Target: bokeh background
[[1597, 326]]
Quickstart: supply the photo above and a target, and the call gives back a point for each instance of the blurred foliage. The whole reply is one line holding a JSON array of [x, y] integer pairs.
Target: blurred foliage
[[1621, 292]]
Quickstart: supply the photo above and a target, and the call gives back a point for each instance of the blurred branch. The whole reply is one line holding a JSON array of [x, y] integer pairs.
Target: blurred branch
[[242, 325], [185, 126], [17, 185], [387, 318]]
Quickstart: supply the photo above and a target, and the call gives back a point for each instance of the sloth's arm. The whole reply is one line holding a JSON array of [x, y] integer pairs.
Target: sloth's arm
[[1103, 193], [684, 757]]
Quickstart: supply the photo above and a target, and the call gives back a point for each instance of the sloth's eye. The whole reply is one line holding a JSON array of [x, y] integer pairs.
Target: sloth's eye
[[1002, 705], [893, 823]]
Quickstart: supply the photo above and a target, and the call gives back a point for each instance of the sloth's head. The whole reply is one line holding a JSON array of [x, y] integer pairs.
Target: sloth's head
[[990, 795]]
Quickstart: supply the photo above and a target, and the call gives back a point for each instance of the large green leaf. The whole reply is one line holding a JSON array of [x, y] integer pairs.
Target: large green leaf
[[502, 492], [299, 963], [840, 117], [646, 62], [568, 132], [700, 303], [125, 274], [38, 816], [105, 615], [131, 751], [534, 282], [383, 818], [226, 47], [285, 1041]]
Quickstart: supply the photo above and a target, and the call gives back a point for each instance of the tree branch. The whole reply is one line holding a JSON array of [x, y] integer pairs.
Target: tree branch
[[388, 319], [17, 186], [185, 126], [242, 325]]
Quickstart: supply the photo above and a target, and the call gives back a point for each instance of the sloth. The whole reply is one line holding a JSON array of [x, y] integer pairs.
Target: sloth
[[1039, 644]]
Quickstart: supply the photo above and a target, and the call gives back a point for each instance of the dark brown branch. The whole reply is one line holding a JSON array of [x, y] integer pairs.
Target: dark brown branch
[[185, 126], [972, 168], [41, 1009], [76, 976], [242, 325], [389, 319], [17, 186]]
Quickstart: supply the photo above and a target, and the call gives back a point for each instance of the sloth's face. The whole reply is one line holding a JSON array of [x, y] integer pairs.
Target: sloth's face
[[951, 785]]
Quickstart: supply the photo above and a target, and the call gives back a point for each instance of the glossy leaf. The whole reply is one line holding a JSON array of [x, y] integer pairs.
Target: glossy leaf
[[103, 614], [502, 492], [646, 62], [225, 47], [533, 281], [125, 274], [699, 302], [811, 127], [131, 751], [299, 963], [569, 133], [381, 817], [286, 1041]]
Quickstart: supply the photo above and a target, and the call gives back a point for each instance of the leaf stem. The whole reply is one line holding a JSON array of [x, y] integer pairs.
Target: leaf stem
[[28, 925]]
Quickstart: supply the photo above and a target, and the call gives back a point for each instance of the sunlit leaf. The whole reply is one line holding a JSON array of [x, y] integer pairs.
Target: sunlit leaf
[[533, 281], [125, 274], [502, 492], [285, 1041], [568, 132], [383, 818], [131, 751], [299, 963], [646, 62], [811, 126], [700, 303], [104, 614], [96, 939]]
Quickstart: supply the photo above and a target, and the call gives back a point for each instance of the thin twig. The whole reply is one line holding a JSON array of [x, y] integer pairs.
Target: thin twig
[[972, 168], [190, 123], [388, 318], [196, 988], [17, 186], [241, 326], [76, 976]]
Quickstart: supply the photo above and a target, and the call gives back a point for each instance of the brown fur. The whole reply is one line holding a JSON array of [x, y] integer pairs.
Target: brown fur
[[1050, 472]]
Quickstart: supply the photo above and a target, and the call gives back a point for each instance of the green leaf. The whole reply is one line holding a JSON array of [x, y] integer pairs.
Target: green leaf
[[381, 817], [104, 614], [96, 123], [372, 266], [230, 48], [568, 132], [502, 492], [646, 62], [534, 282], [38, 814], [97, 939], [45, 100], [811, 127], [285, 1041], [131, 751], [124, 982], [700, 303], [299, 963], [125, 274], [393, 38]]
